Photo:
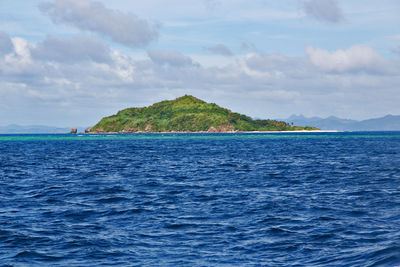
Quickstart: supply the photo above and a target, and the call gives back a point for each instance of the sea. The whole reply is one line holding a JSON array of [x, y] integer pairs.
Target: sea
[[239, 199]]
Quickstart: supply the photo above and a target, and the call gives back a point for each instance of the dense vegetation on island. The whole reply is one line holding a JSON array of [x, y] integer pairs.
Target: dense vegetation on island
[[186, 114]]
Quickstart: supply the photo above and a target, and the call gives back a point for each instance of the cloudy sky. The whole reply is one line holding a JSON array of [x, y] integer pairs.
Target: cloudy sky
[[71, 62]]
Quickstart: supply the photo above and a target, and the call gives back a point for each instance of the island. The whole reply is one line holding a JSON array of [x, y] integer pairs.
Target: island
[[186, 114]]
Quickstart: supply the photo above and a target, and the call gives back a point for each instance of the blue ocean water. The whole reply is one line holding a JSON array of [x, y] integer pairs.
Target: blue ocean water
[[297, 199]]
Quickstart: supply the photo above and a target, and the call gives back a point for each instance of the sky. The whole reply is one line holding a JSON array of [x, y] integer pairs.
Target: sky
[[72, 62]]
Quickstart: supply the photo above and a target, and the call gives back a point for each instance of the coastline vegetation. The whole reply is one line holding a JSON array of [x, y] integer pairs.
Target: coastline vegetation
[[186, 114]]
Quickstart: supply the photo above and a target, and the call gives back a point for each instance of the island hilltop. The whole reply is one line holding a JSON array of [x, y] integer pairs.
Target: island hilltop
[[186, 114]]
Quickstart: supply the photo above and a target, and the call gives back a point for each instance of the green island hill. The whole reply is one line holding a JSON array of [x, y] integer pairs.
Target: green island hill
[[186, 114]]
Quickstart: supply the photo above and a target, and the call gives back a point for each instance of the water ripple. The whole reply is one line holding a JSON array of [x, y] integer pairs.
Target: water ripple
[[200, 200]]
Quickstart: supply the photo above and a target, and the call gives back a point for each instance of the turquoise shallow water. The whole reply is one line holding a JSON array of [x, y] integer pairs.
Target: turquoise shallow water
[[177, 136], [276, 199]]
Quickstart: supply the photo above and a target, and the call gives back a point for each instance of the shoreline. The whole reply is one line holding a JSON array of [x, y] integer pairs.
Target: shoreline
[[205, 132]]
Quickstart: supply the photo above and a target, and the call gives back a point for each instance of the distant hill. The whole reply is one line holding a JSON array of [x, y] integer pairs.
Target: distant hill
[[34, 129], [186, 114], [386, 123]]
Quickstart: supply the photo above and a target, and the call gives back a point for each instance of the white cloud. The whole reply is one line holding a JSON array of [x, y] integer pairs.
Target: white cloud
[[354, 59], [124, 28], [220, 49], [71, 50], [257, 84], [276, 65], [19, 60], [262, 62], [275, 94], [123, 66], [324, 10], [170, 57], [6, 45]]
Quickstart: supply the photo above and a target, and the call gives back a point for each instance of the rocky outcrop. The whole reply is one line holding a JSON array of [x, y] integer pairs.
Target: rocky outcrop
[[226, 129], [73, 130], [222, 129], [130, 130], [212, 129]]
